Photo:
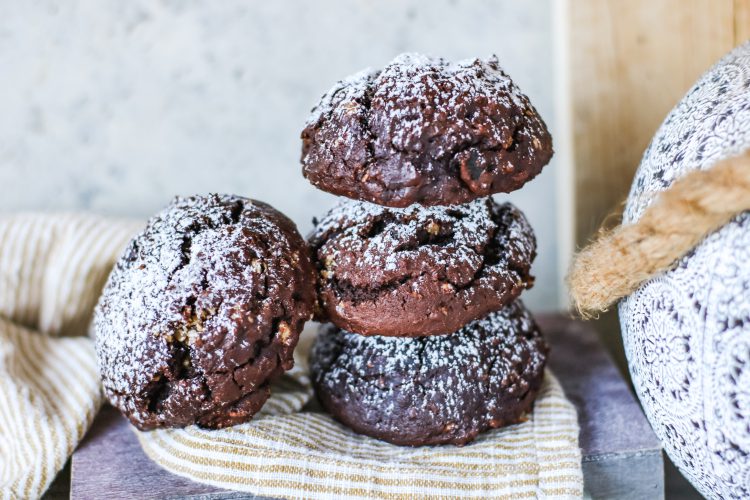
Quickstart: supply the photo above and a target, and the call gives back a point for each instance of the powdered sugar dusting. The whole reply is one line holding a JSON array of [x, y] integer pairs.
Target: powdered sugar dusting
[[470, 224], [427, 130], [196, 298], [429, 87], [435, 87], [468, 379], [409, 76], [349, 90], [367, 252]]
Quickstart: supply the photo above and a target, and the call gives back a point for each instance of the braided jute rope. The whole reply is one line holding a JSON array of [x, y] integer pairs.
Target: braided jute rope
[[618, 261]]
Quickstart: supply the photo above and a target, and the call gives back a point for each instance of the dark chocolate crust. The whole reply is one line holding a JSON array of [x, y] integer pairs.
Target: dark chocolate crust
[[426, 131], [432, 390], [202, 310], [419, 270]]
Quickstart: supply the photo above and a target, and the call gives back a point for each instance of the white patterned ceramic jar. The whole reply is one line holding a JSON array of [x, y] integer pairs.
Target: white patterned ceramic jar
[[687, 332]]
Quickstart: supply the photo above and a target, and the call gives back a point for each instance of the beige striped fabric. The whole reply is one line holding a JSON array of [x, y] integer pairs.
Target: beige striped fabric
[[292, 451], [52, 269]]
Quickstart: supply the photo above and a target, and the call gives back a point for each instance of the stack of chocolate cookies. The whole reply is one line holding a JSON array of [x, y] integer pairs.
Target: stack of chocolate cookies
[[419, 272]]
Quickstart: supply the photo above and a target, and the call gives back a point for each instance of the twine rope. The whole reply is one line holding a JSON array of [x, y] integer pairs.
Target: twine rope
[[618, 261]]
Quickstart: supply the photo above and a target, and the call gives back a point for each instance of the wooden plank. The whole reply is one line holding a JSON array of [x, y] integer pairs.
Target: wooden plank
[[622, 457], [109, 463], [630, 62], [741, 21]]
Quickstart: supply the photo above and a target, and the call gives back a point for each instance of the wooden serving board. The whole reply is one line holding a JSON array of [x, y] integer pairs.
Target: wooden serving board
[[621, 456]]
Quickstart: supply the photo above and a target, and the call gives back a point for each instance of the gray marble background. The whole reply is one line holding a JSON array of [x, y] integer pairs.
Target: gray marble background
[[114, 107]]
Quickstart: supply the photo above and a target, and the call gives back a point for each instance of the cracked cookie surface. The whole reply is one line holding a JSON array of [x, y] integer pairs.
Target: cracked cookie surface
[[432, 390], [424, 130], [202, 310], [419, 270]]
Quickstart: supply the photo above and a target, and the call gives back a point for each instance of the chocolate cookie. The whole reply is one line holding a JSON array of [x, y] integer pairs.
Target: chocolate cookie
[[419, 270], [432, 390], [425, 131], [204, 307]]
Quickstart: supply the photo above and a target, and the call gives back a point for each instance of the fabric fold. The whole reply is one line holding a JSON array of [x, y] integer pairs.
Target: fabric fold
[[52, 269]]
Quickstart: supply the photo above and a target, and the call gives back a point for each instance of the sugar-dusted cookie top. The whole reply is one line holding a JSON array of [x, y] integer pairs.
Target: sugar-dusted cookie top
[[202, 310], [424, 130]]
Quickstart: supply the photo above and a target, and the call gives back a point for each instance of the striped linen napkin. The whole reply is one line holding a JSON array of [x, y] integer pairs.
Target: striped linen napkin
[[52, 269]]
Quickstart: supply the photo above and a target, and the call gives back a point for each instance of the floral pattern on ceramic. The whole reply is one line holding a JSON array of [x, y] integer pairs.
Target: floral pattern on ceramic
[[687, 332]]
